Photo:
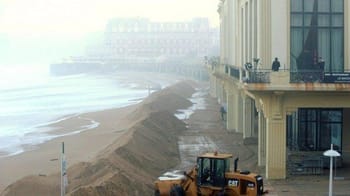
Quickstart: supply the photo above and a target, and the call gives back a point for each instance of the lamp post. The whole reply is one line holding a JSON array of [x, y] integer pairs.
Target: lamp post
[[331, 153]]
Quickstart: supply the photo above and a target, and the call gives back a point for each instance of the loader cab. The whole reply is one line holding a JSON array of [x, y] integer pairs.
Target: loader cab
[[211, 168]]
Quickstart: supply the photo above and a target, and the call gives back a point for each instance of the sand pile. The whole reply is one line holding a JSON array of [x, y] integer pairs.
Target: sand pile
[[130, 164]]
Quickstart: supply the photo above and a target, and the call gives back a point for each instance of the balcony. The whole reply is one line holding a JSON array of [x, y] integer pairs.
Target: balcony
[[301, 76], [306, 76], [285, 79], [248, 76], [257, 76]]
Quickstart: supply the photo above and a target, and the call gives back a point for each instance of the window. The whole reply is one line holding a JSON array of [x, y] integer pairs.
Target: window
[[315, 130], [307, 129], [219, 172], [317, 31], [212, 171]]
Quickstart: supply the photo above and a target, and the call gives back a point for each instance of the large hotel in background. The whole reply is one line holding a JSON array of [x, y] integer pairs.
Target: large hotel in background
[[138, 43], [296, 112]]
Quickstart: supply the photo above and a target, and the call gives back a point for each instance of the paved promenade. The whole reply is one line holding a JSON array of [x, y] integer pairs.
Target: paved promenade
[[206, 133]]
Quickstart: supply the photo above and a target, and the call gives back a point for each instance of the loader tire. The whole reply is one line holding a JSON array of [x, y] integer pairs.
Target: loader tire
[[177, 190], [156, 193]]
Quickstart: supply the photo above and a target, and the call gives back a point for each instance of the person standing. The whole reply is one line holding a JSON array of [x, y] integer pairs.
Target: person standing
[[321, 64], [223, 112], [276, 65]]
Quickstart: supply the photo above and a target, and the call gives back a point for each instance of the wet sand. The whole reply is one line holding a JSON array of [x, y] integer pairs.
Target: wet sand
[[44, 158], [131, 145]]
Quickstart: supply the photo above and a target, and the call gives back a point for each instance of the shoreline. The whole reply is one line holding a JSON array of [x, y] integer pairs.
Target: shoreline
[[115, 134], [52, 131], [66, 125], [40, 133], [43, 158]]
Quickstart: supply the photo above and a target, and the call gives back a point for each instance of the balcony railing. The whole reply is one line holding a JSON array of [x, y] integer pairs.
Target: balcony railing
[[295, 76], [257, 76], [249, 76], [306, 76], [234, 72], [312, 76]]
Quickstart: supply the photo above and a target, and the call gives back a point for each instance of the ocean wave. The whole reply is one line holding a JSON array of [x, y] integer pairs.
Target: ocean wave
[[27, 109], [10, 146]]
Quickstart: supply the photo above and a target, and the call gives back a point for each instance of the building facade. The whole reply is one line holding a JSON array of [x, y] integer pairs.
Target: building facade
[[300, 108], [142, 45], [158, 42]]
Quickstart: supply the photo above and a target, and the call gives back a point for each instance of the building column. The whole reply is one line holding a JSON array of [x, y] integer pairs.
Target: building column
[[240, 114], [212, 84], [220, 91], [224, 95], [276, 149], [262, 139], [247, 117], [236, 111], [230, 111], [276, 145], [346, 35]]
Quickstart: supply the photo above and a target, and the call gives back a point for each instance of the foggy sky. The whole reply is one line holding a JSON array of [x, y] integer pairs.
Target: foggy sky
[[47, 30]]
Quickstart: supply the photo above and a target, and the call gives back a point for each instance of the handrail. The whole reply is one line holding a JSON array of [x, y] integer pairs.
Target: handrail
[[259, 75]]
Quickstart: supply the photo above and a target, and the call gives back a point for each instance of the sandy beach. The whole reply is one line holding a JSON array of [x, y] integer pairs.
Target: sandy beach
[[35, 172], [44, 158], [133, 145]]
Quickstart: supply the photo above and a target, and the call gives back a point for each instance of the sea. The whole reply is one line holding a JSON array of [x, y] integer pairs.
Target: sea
[[31, 99]]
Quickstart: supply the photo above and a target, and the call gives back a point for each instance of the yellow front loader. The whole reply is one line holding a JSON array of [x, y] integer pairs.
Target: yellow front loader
[[211, 176]]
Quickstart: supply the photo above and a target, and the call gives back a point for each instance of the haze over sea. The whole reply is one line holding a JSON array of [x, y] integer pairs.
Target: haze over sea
[[31, 99]]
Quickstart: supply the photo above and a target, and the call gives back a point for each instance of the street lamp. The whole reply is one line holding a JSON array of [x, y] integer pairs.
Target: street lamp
[[331, 153]]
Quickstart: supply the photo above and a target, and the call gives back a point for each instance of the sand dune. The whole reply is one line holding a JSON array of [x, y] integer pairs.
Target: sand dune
[[129, 164]]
